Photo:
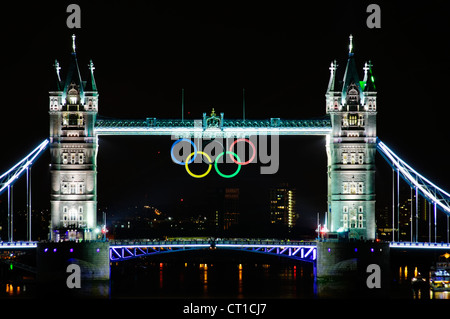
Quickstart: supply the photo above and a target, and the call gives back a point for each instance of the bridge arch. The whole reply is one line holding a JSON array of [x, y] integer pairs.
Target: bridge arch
[[302, 251]]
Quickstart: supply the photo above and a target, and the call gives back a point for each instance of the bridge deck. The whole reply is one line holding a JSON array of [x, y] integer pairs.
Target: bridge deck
[[225, 243], [227, 128]]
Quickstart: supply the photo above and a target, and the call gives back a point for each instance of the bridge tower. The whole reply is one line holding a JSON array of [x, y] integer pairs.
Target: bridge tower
[[73, 149], [351, 148]]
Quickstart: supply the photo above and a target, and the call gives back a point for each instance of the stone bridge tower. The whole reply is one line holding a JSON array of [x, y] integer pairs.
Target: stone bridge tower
[[351, 149], [73, 149]]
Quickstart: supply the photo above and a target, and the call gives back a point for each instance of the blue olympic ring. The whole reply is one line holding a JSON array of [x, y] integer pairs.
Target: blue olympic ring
[[173, 156]]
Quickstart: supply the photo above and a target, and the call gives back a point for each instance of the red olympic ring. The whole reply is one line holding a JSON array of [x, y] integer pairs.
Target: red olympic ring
[[250, 143]]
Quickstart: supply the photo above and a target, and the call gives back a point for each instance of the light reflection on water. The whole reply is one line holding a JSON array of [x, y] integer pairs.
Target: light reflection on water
[[407, 273], [213, 280], [235, 280]]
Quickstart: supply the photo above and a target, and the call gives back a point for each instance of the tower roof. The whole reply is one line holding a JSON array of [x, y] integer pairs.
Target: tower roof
[[73, 74], [351, 73]]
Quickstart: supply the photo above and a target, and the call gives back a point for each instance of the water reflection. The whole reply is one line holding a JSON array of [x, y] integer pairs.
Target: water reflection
[[12, 290], [144, 279], [204, 277], [417, 281], [240, 283], [439, 294]]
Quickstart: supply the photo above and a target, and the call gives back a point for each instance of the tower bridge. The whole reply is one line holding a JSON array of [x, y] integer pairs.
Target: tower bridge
[[349, 127]]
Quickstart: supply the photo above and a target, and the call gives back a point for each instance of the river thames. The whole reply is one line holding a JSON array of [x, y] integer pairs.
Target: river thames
[[229, 275]]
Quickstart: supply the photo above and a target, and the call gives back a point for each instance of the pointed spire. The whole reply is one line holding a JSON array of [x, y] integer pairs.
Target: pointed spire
[[350, 46], [331, 83], [73, 72], [58, 77], [369, 81], [73, 43], [90, 84], [351, 74]]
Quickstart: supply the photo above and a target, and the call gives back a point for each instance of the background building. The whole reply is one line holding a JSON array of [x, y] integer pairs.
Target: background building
[[283, 206], [230, 208]]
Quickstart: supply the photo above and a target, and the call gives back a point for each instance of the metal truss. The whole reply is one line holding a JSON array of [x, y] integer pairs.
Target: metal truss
[[223, 128], [300, 251], [430, 191], [119, 252], [14, 173]]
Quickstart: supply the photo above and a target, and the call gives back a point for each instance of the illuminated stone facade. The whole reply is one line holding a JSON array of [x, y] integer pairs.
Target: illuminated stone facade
[[73, 150], [351, 149]]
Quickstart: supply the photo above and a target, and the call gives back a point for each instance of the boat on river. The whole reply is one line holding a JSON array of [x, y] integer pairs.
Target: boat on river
[[440, 276]]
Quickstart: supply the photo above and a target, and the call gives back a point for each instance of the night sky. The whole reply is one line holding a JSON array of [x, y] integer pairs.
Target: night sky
[[144, 54]]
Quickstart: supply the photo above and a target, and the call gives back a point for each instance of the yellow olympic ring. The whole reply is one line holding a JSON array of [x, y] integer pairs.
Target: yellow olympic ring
[[187, 164]]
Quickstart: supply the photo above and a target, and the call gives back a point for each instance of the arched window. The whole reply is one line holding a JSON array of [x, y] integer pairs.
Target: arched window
[[73, 95]]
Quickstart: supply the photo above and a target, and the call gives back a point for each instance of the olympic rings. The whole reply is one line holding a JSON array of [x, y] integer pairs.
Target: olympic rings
[[231, 151], [224, 175], [193, 155], [178, 141], [187, 164]]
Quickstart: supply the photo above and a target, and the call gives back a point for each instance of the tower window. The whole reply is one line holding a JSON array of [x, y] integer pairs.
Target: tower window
[[345, 221], [80, 158], [345, 121], [360, 221], [372, 105], [65, 158], [80, 188], [361, 120], [64, 188], [72, 94], [73, 99], [360, 187], [344, 158], [353, 158], [73, 214], [352, 120], [345, 187], [72, 188], [353, 218], [360, 158], [352, 94], [353, 188]]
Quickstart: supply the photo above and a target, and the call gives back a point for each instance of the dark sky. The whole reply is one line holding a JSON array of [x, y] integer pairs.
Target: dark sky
[[280, 53]]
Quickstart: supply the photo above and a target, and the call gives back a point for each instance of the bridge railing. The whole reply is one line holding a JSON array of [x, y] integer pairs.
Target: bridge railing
[[427, 245], [205, 241], [190, 123], [18, 244]]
